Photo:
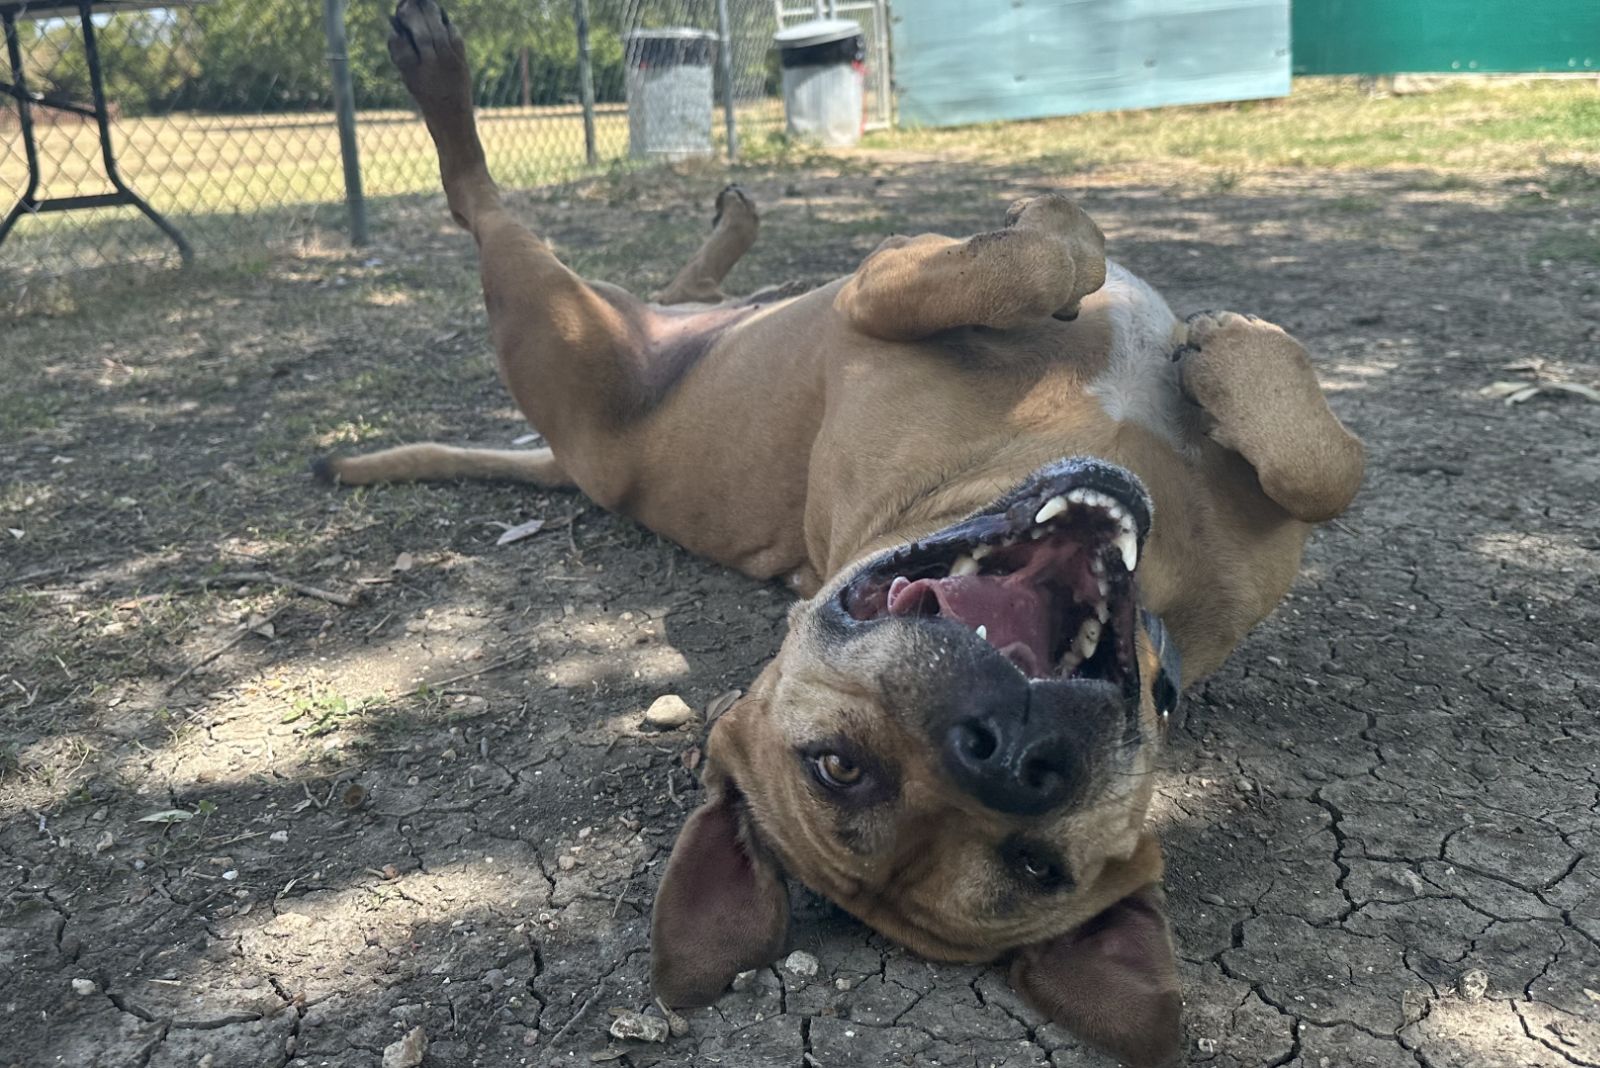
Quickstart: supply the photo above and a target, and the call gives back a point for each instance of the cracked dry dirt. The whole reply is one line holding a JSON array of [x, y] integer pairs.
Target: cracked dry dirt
[[438, 808]]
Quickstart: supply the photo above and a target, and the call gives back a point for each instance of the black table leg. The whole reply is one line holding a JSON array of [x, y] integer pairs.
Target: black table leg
[[28, 204], [103, 118], [25, 119]]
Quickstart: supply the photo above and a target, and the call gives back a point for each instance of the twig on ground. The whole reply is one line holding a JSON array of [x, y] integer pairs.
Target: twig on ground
[[575, 1017], [505, 661], [238, 637], [267, 578]]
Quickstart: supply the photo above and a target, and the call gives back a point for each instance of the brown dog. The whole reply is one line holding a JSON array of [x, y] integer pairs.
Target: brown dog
[[1012, 488]]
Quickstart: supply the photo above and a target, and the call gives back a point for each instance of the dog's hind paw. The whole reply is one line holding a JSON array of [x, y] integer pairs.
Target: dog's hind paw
[[322, 469]]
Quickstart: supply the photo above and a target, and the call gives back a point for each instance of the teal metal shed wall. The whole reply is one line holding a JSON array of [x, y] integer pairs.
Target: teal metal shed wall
[[1422, 36], [964, 61]]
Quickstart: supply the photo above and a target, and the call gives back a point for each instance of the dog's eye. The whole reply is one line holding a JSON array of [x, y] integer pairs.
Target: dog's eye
[[835, 770]]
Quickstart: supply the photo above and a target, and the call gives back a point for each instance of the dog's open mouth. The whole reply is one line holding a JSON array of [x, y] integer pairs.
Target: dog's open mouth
[[1046, 576]]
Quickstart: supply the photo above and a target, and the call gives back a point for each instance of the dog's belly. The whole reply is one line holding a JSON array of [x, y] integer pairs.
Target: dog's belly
[[1140, 381]]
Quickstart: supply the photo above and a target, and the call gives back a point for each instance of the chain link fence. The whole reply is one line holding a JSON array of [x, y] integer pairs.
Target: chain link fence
[[222, 116]]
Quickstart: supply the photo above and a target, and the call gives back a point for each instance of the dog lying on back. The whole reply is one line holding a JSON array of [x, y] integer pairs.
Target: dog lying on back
[[1025, 506]]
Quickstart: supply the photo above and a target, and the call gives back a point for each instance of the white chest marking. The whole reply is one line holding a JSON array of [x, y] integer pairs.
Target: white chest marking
[[1140, 383]]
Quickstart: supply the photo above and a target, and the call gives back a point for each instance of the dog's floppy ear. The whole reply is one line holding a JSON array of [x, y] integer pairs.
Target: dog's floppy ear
[[722, 907], [1113, 982]]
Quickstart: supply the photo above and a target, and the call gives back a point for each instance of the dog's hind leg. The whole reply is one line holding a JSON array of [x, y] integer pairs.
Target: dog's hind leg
[[1047, 259], [434, 463], [1258, 386], [569, 353], [733, 231]]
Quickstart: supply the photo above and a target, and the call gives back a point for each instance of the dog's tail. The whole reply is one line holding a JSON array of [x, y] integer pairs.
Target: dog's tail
[[430, 462]]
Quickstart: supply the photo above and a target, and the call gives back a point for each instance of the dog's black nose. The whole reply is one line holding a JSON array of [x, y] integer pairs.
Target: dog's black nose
[[1034, 762]]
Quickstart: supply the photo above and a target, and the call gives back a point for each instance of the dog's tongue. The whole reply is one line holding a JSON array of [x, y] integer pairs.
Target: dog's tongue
[[1015, 614]]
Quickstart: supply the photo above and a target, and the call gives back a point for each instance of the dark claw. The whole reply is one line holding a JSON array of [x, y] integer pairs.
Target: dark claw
[[401, 31]]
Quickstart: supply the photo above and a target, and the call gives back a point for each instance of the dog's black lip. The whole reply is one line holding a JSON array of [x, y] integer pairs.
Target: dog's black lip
[[1015, 510], [1010, 513]]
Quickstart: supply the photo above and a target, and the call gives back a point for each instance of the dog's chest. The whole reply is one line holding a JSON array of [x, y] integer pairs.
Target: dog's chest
[[1140, 382]]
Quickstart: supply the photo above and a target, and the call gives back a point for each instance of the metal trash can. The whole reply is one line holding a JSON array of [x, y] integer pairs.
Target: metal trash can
[[824, 80], [668, 83]]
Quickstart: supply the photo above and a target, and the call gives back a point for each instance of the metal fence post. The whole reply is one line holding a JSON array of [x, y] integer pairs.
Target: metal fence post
[[725, 71], [344, 108], [580, 15]]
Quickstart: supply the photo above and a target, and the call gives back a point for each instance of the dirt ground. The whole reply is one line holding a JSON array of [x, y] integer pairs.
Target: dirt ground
[[286, 772]]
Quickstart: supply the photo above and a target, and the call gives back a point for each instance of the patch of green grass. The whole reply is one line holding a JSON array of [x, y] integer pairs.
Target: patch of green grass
[[23, 412], [1567, 247], [1353, 205], [1323, 124]]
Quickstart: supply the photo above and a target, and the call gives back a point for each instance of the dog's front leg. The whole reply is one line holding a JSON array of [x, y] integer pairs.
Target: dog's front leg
[[1048, 258], [1258, 387]]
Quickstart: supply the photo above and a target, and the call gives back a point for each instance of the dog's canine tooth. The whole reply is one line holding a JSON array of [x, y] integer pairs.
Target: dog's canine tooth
[[980, 550], [1128, 545], [1052, 508], [982, 632], [1088, 639], [964, 565]]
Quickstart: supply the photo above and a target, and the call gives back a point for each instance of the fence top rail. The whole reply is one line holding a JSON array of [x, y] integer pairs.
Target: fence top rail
[[23, 10]]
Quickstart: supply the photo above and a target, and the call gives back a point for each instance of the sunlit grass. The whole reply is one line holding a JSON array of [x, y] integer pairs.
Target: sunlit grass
[[1323, 124]]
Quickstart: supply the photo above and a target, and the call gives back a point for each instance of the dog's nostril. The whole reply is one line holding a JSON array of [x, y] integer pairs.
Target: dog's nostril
[[1041, 775], [975, 740]]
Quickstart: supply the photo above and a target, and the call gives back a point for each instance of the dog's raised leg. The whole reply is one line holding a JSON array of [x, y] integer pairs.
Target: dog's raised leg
[[733, 231], [567, 351], [1257, 385], [1048, 258]]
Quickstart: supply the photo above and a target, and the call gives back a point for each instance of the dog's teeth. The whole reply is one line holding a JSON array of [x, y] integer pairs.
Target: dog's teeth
[[982, 632], [1052, 508], [964, 565], [1128, 545], [1069, 662], [1101, 612], [1088, 639], [1078, 496], [1104, 586], [980, 551], [1036, 533], [1098, 566]]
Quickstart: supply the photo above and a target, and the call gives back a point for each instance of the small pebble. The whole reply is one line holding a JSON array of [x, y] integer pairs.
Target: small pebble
[[494, 979], [1214, 899], [408, 1052], [743, 981], [84, 987], [801, 963], [566, 862], [640, 1027], [1206, 1045], [1472, 984], [669, 711]]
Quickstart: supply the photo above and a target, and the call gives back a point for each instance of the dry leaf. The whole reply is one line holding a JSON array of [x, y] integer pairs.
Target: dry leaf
[[167, 815], [520, 531], [403, 562], [353, 796], [721, 703]]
